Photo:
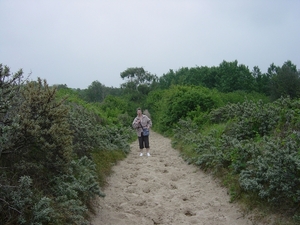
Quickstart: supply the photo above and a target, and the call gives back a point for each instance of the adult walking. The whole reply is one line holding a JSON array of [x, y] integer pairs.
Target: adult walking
[[142, 124]]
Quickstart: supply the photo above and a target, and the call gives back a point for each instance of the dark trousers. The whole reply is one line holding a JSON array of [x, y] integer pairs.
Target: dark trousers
[[144, 141]]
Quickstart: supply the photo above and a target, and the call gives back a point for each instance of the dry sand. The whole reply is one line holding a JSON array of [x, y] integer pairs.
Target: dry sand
[[164, 189]]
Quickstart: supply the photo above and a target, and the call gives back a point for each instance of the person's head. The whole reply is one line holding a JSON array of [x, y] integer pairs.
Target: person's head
[[139, 111]]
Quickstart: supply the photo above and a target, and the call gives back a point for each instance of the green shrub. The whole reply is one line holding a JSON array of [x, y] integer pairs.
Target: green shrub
[[42, 211], [249, 119], [274, 175], [9, 99], [181, 102], [256, 151], [74, 190]]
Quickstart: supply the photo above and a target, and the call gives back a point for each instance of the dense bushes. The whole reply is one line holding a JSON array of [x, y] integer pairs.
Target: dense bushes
[[179, 102], [90, 133], [274, 174], [194, 102], [48, 146], [250, 143], [254, 144]]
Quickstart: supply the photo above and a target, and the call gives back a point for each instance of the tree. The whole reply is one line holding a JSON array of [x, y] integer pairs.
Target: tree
[[285, 81], [261, 81], [166, 80], [273, 70], [233, 77], [139, 83], [138, 76], [96, 92], [9, 90]]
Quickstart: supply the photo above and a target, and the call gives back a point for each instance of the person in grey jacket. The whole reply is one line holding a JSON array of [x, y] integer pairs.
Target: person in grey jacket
[[142, 121]]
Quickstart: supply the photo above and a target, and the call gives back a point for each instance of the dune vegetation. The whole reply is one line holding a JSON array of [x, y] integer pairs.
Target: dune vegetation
[[57, 144]]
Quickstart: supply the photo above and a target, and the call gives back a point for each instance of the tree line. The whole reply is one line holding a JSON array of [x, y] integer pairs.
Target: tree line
[[226, 77]]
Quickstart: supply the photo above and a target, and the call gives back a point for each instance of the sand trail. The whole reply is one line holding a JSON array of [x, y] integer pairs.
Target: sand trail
[[163, 189]]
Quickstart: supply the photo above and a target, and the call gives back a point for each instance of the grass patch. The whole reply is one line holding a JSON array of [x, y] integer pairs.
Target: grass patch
[[184, 149], [187, 151], [104, 161], [230, 181]]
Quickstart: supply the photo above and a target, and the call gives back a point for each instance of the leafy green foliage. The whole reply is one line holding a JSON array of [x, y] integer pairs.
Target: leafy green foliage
[[9, 90], [43, 137], [234, 77], [47, 172], [181, 102], [138, 76], [138, 83], [95, 92], [285, 82], [227, 77], [74, 189], [56, 147], [104, 126], [274, 174], [250, 118], [254, 146], [67, 204], [231, 76], [15, 200], [194, 102]]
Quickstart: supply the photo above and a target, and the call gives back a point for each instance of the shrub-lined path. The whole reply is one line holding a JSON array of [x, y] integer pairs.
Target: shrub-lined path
[[164, 189]]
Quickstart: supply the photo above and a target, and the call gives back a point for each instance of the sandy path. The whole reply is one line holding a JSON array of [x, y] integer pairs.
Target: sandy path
[[163, 189]]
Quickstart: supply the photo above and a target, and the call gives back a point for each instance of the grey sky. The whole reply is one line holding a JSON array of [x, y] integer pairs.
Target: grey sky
[[76, 42]]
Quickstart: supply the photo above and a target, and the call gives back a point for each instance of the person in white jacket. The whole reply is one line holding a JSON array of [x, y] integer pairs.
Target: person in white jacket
[[139, 123]]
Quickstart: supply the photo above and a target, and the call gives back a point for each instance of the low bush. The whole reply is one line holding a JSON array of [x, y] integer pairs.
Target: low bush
[[254, 150], [275, 174]]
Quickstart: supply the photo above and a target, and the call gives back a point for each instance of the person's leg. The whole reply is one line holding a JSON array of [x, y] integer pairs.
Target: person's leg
[[146, 140], [141, 145]]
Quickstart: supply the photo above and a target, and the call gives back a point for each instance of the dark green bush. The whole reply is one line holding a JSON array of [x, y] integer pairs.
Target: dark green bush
[[180, 102], [47, 175], [73, 190]]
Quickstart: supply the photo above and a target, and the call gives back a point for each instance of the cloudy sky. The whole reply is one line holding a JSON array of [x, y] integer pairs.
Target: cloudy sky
[[76, 42]]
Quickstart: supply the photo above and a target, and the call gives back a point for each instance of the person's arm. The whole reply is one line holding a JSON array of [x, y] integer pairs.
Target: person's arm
[[135, 123]]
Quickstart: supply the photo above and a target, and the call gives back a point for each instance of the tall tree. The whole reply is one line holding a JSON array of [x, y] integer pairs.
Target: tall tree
[[138, 76], [285, 81], [234, 77], [139, 82], [166, 80], [261, 81], [273, 70], [96, 92]]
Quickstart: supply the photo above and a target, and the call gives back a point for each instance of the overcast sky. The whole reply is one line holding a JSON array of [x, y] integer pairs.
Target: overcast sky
[[76, 42]]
